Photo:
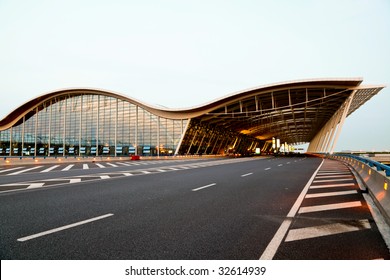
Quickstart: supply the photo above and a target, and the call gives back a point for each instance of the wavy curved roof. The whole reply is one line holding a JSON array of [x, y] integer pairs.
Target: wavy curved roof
[[293, 110]]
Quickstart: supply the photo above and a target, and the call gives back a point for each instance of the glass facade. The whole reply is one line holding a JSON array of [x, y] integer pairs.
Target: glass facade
[[91, 125]]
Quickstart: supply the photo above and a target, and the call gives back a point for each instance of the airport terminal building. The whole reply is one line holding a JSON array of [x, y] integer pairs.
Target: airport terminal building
[[93, 122]]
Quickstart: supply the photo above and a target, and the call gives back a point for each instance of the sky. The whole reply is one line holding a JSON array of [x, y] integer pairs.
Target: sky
[[178, 54]]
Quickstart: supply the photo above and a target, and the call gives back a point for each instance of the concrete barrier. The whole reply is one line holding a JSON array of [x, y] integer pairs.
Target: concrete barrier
[[376, 183]]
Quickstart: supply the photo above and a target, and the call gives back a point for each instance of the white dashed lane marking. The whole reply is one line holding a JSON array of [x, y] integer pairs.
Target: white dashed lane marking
[[26, 238], [203, 187]]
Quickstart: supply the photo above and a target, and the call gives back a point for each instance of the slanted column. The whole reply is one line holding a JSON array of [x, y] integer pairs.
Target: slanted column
[[344, 116]]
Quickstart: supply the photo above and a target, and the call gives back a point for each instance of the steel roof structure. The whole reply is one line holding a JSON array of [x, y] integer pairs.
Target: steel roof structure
[[304, 111]]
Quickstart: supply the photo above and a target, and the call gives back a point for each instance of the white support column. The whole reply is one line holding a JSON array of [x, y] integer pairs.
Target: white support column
[[136, 130], [317, 147], [50, 117], [10, 141], [23, 129], [158, 136], [97, 126], [116, 127], [334, 127], [320, 140], [192, 142], [81, 122], [201, 143], [36, 131], [313, 144], [215, 144], [323, 140], [344, 116], [209, 143], [64, 127], [329, 127], [183, 132]]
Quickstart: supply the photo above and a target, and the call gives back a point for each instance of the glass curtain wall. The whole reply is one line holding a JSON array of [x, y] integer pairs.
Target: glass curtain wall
[[91, 125]]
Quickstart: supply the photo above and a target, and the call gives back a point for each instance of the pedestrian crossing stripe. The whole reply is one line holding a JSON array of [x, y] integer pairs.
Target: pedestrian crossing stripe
[[327, 207], [326, 230], [68, 167], [326, 194]]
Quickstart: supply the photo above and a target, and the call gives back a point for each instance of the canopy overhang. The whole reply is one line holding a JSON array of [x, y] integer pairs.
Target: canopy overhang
[[303, 111]]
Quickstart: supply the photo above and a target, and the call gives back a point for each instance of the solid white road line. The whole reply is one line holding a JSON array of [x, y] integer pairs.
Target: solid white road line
[[326, 194], [85, 166], [325, 230], [50, 168], [68, 167], [248, 174], [273, 246], [24, 170], [332, 186], [326, 207], [200, 188], [62, 228]]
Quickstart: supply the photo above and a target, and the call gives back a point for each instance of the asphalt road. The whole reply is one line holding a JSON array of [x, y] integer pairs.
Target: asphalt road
[[206, 209]]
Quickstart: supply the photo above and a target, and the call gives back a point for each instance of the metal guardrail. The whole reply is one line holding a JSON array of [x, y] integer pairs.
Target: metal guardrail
[[372, 163]]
